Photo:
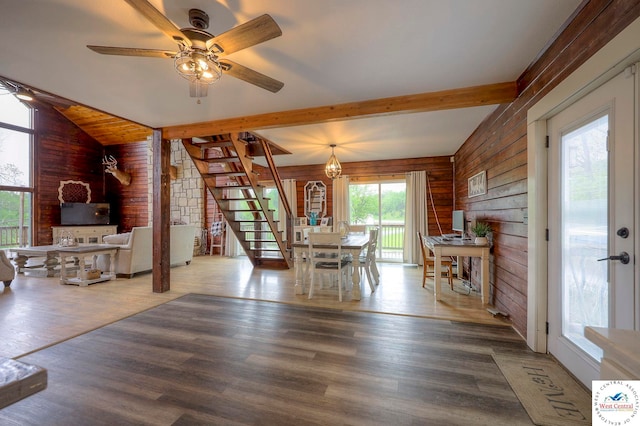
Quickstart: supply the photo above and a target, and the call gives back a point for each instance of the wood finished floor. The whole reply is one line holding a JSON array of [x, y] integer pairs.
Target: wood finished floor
[[37, 312], [203, 359], [238, 361]]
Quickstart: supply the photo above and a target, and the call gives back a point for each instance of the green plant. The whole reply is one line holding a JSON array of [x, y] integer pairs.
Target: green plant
[[481, 229]]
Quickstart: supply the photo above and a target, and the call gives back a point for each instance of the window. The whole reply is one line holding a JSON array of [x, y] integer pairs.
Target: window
[[16, 176], [381, 204]]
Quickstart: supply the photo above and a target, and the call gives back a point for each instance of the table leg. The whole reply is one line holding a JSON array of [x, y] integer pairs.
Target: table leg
[[356, 293], [484, 271], [51, 263], [297, 258], [437, 274], [112, 264], [63, 270], [21, 262]]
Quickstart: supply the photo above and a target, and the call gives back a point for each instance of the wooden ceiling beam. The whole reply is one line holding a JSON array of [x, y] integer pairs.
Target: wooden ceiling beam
[[490, 94]]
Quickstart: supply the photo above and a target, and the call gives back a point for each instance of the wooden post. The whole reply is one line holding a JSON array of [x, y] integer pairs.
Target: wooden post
[[161, 212]]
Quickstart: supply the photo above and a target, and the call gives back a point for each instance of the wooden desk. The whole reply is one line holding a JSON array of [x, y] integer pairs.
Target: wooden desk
[[353, 243], [459, 247]]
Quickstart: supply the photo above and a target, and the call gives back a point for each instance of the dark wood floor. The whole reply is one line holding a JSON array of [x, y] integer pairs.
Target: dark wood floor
[[202, 359]]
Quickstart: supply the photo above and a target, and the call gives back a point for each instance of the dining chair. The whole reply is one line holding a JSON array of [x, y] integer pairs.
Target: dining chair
[[429, 262], [368, 261], [326, 257], [357, 229]]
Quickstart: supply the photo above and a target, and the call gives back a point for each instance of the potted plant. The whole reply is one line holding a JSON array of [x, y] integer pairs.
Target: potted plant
[[480, 230]]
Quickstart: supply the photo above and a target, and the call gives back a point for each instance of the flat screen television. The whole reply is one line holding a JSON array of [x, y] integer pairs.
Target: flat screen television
[[84, 214], [457, 223]]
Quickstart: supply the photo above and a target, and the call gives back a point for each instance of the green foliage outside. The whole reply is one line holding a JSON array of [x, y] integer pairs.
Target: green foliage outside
[[364, 203]]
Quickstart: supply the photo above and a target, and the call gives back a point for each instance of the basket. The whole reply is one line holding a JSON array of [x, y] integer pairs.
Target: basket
[[92, 274]]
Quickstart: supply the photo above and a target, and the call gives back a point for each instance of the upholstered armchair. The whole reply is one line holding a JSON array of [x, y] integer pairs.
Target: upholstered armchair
[[7, 270]]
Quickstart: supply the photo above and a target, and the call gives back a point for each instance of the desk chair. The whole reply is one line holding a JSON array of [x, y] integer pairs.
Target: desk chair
[[368, 261], [429, 262], [327, 259]]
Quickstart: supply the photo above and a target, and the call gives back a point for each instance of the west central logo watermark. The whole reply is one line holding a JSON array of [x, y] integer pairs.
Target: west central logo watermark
[[616, 402]]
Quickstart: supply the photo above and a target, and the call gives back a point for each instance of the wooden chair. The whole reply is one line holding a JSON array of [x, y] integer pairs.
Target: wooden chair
[[357, 229], [368, 261], [326, 257], [429, 262], [218, 231]]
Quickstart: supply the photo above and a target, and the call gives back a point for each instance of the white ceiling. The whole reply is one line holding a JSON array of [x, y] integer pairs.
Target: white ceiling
[[331, 52]]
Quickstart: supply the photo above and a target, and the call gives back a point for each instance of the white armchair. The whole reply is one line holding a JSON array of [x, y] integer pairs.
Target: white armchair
[[7, 270]]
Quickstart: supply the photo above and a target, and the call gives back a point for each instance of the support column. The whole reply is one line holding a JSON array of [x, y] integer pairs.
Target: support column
[[161, 213]]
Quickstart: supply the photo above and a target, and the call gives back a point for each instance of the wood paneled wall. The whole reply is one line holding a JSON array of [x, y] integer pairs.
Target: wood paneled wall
[[62, 152], [439, 170], [499, 146], [129, 204]]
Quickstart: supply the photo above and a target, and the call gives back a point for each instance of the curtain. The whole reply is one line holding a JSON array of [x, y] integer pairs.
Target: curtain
[[415, 215], [340, 200], [291, 193]]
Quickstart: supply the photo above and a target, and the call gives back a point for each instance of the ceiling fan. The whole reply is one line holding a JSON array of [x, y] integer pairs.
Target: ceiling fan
[[201, 56]]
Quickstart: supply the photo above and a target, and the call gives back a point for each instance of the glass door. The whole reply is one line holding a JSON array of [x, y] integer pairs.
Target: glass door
[[591, 223], [381, 204]]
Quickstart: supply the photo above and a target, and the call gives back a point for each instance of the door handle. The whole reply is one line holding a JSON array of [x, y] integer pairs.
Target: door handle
[[622, 257]]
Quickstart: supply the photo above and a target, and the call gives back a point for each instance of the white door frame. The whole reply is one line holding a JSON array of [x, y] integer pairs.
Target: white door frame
[[612, 59]]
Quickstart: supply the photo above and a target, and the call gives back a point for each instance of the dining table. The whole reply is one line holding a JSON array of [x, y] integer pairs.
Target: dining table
[[353, 244]]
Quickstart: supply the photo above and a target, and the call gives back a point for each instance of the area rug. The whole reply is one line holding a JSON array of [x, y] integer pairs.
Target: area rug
[[549, 394]]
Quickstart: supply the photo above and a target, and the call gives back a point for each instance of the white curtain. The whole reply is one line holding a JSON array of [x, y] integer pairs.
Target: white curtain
[[415, 215], [340, 200], [291, 193]]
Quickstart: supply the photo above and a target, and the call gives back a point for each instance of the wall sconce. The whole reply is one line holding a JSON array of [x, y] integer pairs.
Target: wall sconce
[[333, 169]]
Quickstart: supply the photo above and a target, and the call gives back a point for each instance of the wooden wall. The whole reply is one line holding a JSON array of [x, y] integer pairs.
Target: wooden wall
[[439, 169], [62, 152], [499, 146], [129, 204]]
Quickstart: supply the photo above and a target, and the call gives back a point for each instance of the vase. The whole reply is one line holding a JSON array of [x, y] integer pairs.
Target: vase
[[481, 240]]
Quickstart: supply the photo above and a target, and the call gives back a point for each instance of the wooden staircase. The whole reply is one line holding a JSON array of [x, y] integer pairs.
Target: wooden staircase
[[225, 163]]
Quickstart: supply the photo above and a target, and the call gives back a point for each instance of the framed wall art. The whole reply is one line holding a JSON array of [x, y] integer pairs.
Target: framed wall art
[[478, 184]]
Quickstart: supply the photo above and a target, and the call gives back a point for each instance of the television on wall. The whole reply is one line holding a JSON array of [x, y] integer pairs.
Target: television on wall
[[84, 214], [457, 223]]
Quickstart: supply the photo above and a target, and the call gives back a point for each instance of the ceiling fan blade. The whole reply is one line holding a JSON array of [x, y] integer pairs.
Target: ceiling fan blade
[[132, 51], [246, 35], [159, 20], [250, 76]]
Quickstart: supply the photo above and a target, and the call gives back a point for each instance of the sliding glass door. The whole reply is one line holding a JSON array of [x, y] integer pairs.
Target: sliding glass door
[[381, 204]]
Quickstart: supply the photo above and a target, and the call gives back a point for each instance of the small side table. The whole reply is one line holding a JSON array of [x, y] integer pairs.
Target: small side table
[[81, 253]]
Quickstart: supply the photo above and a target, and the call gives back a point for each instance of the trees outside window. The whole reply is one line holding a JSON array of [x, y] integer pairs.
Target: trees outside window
[[16, 180], [381, 204]]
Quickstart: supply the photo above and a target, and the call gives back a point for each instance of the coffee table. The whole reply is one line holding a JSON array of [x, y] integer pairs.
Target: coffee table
[[24, 253], [81, 253]]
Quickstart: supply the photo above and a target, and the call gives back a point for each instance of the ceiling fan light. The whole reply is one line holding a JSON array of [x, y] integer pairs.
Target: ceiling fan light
[[197, 66], [333, 168]]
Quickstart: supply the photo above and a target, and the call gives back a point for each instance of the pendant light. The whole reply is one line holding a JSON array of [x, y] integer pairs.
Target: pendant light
[[333, 169]]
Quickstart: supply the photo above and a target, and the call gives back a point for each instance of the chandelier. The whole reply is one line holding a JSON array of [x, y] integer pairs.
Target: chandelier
[[333, 169], [200, 67]]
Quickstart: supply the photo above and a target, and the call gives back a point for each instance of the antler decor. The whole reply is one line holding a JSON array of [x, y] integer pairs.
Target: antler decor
[[112, 167]]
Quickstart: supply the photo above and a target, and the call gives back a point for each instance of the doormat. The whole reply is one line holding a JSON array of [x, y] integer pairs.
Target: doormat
[[549, 394]]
